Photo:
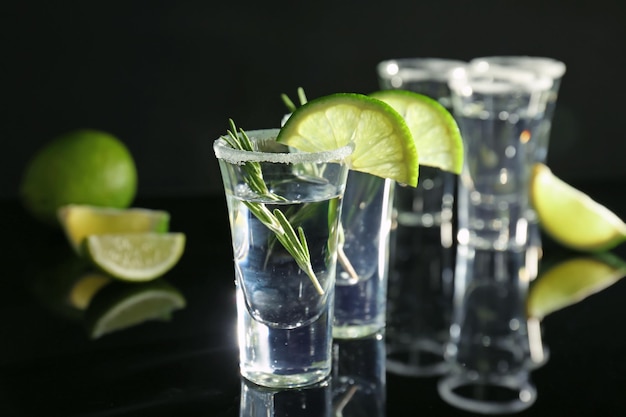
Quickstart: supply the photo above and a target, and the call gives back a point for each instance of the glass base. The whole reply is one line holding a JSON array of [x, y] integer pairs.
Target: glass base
[[286, 381], [356, 331]]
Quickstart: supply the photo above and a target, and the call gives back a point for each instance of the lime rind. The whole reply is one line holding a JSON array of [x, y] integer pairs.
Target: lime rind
[[135, 257], [376, 130], [572, 217], [435, 131]]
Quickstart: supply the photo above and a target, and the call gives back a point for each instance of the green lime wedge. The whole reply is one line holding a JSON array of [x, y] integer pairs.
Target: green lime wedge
[[135, 256], [121, 306], [435, 132], [571, 281], [572, 217], [80, 221], [383, 145]]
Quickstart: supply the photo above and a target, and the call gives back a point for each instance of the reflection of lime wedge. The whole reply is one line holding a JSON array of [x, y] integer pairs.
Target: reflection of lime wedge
[[80, 221], [54, 283], [383, 145], [135, 256], [571, 217], [86, 288], [120, 306], [436, 133], [572, 281]]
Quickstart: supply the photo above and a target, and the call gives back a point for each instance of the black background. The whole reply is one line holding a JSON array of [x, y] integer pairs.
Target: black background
[[165, 76]]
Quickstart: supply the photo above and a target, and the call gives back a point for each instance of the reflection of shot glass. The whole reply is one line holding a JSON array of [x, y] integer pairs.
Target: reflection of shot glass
[[542, 67], [499, 110], [489, 351], [358, 377], [284, 213], [312, 401], [363, 256], [422, 252]]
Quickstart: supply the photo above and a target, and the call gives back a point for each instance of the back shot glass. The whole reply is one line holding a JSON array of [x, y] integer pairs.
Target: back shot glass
[[499, 111], [422, 250], [284, 210], [363, 256], [541, 67]]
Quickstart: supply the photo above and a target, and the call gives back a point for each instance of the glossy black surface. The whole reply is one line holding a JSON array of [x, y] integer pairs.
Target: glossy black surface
[[187, 366]]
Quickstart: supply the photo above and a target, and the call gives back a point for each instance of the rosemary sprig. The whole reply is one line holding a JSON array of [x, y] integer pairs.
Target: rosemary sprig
[[276, 221]]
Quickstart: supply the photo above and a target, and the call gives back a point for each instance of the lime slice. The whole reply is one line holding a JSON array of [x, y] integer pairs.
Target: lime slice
[[119, 307], [80, 221], [135, 256], [383, 145], [570, 216], [572, 281], [436, 133]]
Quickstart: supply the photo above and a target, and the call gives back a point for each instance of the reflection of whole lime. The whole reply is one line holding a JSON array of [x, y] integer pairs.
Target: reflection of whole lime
[[81, 167]]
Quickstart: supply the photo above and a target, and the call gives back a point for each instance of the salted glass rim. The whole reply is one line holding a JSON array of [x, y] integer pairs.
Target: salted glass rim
[[236, 156], [550, 67]]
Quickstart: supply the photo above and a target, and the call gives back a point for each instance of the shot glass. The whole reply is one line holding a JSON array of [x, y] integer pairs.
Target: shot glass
[[489, 352], [363, 256], [500, 111], [358, 377], [542, 67], [422, 250], [284, 210]]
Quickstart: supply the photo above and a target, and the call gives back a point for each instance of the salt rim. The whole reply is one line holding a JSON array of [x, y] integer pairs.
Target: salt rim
[[235, 156]]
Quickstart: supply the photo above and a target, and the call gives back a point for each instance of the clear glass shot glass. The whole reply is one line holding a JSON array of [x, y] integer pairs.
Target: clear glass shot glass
[[542, 67], [363, 256], [284, 301], [422, 250], [500, 111]]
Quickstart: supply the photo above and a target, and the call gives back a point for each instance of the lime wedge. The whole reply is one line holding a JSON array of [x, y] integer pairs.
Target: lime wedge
[[570, 216], [572, 281], [135, 256], [80, 221], [436, 133], [120, 306], [383, 145]]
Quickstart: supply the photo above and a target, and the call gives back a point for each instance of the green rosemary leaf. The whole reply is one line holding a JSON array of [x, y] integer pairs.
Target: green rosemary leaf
[[276, 221]]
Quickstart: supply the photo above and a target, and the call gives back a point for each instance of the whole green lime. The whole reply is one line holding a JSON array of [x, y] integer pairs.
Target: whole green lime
[[81, 167]]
